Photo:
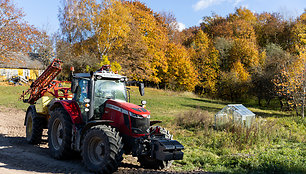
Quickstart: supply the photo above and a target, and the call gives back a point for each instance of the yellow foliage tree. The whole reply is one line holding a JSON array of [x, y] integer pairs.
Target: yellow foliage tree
[[245, 52], [95, 24], [205, 58], [181, 74], [154, 36]]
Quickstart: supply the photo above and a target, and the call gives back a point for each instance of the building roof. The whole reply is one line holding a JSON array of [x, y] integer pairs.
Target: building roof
[[22, 61], [236, 108]]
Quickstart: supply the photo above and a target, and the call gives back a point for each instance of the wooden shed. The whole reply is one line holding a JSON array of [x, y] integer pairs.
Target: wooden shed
[[27, 66]]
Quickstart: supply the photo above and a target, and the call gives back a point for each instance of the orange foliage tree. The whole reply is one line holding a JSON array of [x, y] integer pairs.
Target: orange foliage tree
[[16, 35]]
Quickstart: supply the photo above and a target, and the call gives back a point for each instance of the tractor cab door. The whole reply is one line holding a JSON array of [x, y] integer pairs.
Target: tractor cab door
[[81, 94], [107, 89]]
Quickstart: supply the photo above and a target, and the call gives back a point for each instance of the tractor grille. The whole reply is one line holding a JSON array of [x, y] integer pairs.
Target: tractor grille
[[140, 125]]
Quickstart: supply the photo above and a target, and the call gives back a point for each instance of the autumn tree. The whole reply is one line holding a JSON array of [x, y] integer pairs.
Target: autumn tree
[[235, 40], [238, 59], [245, 52], [272, 28], [276, 61], [216, 26], [44, 47], [16, 35], [291, 82], [205, 58], [168, 20], [234, 84], [181, 75], [224, 47], [154, 35], [299, 33], [99, 25], [132, 56]]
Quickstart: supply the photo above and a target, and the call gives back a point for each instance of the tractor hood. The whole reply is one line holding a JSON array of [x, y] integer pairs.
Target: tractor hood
[[125, 107]]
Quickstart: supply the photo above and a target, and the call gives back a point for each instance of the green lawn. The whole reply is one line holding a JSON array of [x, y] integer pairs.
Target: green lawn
[[9, 96], [275, 143]]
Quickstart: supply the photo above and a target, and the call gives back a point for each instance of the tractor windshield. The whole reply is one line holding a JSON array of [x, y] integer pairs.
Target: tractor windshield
[[108, 89]]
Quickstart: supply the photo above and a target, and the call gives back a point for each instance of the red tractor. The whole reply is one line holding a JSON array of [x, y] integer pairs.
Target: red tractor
[[96, 120]]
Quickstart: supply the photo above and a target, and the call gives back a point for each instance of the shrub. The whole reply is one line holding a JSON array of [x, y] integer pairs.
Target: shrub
[[195, 119]]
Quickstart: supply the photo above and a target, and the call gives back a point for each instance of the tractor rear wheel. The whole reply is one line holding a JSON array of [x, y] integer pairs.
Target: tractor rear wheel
[[102, 149], [34, 127], [60, 134], [148, 162]]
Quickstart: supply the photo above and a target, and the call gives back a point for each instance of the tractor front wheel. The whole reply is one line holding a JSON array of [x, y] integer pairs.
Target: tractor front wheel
[[60, 134], [102, 149], [34, 127]]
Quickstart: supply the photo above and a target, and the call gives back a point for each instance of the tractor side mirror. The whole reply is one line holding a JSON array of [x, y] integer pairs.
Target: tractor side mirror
[[74, 85], [141, 89]]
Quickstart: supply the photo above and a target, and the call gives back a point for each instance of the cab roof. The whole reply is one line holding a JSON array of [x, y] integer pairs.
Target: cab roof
[[101, 75]]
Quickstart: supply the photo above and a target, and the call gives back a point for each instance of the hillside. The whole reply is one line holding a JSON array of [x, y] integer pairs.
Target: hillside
[[275, 144]]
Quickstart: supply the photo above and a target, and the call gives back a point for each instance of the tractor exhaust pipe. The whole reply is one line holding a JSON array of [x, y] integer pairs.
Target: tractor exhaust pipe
[[91, 94]]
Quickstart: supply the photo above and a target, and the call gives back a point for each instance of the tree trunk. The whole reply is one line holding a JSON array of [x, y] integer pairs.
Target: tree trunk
[[259, 99], [296, 110], [303, 104], [281, 103], [268, 101]]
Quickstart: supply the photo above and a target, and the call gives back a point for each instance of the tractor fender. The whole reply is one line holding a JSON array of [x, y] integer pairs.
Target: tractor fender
[[31, 108], [95, 123], [81, 132], [71, 107]]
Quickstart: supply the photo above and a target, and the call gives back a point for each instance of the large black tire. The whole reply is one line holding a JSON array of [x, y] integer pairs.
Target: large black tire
[[60, 134], [34, 127], [148, 162], [102, 149]]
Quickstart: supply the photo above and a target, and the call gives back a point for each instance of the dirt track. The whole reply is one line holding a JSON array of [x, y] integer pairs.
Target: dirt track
[[16, 156]]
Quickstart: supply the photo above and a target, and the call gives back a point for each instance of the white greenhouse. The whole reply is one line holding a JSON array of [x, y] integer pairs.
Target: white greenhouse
[[235, 113]]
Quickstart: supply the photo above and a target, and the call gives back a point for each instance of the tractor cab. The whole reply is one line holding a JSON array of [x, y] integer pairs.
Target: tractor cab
[[92, 91]]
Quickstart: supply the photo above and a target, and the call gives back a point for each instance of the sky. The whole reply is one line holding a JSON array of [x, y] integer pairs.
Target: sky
[[43, 13]]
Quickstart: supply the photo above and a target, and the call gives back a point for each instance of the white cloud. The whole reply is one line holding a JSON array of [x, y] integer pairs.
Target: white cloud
[[237, 2], [247, 6], [202, 4], [180, 26]]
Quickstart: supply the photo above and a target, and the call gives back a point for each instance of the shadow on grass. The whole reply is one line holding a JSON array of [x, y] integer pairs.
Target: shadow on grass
[[275, 115], [209, 101], [217, 109], [206, 108]]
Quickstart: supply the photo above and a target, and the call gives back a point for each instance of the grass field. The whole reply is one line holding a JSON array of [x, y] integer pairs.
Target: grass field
[[274, 144]]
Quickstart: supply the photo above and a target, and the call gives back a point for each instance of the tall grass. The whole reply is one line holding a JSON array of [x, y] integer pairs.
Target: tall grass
[[264, 147]]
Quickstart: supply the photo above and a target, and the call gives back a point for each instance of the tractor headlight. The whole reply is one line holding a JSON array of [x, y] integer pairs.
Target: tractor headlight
[[135, 115]]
